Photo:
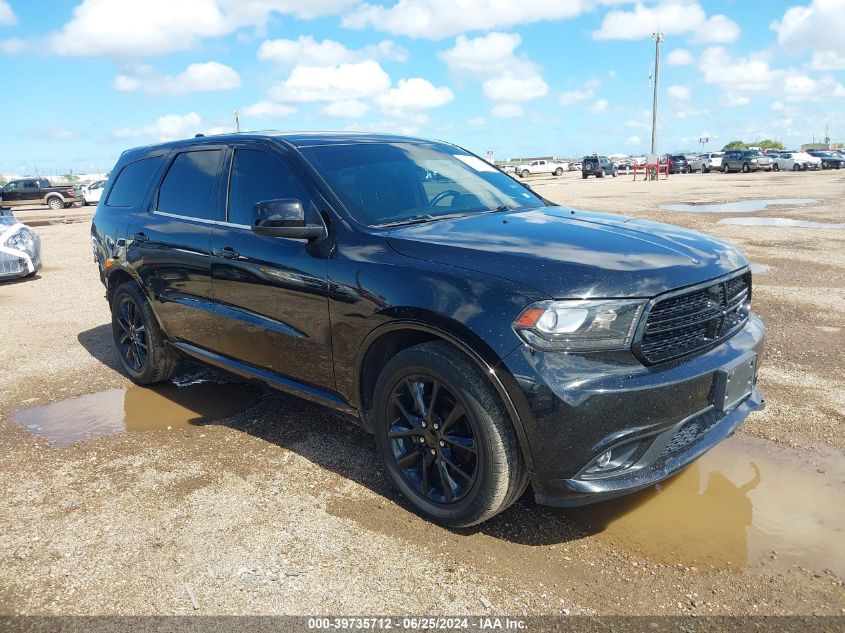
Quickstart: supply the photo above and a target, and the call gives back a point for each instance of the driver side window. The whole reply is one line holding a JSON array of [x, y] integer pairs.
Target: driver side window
[[258, 177]]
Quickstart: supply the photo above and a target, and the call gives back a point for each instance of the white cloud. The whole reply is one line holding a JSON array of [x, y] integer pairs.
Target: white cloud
[[515, 88], [827, 60], [351, 109], [479, 120], [674, 17], [485, 55], [633, 140], [570, 97], [268, 109], [507, 110], [679, 57], [205, 77], [681, 93], [599, 106], [744, 77], [817, 26], [413, 95], [153, 27], [436, 19], [12, 46], [332, 83], [719, 29], [165, 128], [777, 106], [306, 51], [7, 16]]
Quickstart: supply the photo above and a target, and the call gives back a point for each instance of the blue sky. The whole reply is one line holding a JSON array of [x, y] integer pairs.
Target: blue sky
[[86, 79]]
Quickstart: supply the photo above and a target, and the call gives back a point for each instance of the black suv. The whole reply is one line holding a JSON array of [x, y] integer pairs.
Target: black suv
[[598, 166], [488, 338], [830, 160]]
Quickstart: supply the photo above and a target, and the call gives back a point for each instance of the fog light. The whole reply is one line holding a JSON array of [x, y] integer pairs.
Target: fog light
[[603, 460]]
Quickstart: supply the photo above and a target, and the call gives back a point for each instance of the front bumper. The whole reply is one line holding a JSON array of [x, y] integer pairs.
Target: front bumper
[[576, 407]]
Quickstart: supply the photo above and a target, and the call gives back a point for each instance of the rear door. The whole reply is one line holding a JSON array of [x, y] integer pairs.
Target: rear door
[[271, 292], [31, 192], [173, 242]]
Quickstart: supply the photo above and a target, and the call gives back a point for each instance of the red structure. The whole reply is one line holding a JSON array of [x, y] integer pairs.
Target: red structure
[[658, 168]]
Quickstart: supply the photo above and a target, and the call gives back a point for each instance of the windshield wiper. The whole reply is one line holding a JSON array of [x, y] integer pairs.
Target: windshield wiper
[[414, 219]]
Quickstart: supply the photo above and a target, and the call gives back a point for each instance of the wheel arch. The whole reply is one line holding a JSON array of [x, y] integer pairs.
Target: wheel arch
[[413, 329]]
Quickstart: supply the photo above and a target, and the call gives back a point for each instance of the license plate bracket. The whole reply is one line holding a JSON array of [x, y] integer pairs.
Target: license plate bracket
[[734, 382]]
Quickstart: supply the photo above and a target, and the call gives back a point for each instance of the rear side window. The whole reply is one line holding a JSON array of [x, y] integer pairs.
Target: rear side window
[[132, 182], [188, 187], [257, 177]]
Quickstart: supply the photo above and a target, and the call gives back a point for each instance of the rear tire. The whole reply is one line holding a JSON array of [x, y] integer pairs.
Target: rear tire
[[775, 167], [559, 171], [704, 169], [56, 203], [584, 176], [444, 437], [141, 345], [796, 167], [726, 169]]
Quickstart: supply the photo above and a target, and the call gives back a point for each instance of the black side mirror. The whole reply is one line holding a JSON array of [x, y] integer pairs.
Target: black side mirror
[[284, 218]]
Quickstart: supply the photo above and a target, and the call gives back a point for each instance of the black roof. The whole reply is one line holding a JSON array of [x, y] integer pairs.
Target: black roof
[[297, 139]]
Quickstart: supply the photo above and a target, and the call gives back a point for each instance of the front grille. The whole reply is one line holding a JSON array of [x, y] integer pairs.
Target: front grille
[[11, 265], [692, 431], [691, 321]]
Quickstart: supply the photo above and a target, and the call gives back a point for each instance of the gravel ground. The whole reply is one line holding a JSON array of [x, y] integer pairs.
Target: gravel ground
[[282, 508]]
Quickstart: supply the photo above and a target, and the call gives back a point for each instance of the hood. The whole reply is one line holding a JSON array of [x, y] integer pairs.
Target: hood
[[567, 253]]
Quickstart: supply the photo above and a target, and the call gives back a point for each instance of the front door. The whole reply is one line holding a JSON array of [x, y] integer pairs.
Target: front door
[[271, 292], [173, 244], [12, 193]]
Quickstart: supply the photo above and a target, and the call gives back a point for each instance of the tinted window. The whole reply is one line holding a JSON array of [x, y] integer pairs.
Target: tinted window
[[256, 177], [132, 182], [188, 187], [382, 183]]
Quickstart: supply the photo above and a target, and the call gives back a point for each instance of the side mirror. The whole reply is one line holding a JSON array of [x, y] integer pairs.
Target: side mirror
[[284, 218]]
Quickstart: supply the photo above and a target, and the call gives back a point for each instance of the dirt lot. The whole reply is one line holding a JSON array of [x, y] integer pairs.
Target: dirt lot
[[281, 508]]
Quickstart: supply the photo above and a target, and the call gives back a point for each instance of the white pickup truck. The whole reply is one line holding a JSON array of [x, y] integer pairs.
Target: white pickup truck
[[540, 167]]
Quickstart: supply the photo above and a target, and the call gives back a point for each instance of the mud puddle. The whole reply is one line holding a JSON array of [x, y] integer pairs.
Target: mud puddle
[[168, 406], [742, 504], [784, 223], [741, 206]]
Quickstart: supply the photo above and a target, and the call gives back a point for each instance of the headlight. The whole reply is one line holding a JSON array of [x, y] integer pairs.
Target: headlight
[[23, 240], [580, 325]]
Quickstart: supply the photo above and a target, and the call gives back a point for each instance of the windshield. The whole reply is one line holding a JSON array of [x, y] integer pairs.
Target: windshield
[[753, 152], [387, 183]]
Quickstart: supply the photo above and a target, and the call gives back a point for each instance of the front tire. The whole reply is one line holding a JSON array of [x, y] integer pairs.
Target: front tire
[[775, 167], [140, 343], [726, 169], [524, 173], [444, 437], [745, 168]]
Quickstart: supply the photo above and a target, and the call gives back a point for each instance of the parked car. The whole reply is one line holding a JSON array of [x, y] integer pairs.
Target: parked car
[[576, 167], [91, 193], [37, 191], [787, 161], [598, 166], [624, 167], [830, 160], [678, 164], [710, 161], [745, 161], [812, 163], [451, 319], [539, 167], [20, 248]]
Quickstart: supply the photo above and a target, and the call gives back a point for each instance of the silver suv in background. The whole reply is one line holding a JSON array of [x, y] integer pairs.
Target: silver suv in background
[[706, 162]]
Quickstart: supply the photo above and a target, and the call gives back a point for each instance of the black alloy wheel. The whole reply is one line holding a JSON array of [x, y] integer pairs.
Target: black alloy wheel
[[132, 340], [432, 438], [447, 442]]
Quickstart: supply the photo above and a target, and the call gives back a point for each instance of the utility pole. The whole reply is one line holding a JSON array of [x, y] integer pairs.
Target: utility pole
[[656, 38], [237, 121]]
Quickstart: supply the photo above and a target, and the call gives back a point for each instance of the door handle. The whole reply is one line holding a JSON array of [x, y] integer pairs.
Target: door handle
[[140, 237], [226, 253]]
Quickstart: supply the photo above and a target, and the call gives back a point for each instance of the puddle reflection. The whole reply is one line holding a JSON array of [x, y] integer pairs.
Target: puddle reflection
[[735, 507], [786, 223], [136, 409], [741, 206]]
